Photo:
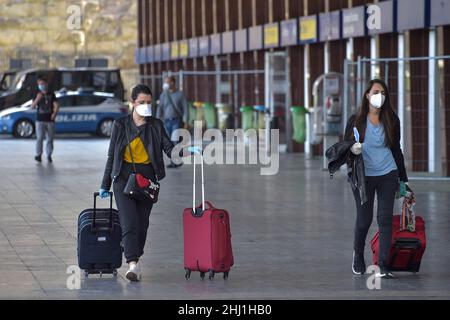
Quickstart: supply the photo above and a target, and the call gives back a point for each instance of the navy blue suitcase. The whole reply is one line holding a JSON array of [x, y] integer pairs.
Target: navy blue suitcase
[[99, 240]]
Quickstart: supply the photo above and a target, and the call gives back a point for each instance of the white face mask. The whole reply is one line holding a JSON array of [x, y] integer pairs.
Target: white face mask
[[377, 100], [144, 110], [166, 86]]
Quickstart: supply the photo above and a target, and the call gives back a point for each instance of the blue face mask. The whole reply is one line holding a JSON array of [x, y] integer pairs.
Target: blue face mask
[[41, 87]]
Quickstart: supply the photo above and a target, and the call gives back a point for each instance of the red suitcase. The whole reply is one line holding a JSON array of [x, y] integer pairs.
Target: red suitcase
[[207, 237], [408, 240]]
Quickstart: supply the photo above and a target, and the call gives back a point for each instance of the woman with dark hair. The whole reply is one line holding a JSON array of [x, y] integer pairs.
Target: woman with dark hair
[[378, 128], [138, 137]]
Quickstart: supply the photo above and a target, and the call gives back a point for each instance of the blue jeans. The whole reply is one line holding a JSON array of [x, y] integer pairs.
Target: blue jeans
[[172, 125]]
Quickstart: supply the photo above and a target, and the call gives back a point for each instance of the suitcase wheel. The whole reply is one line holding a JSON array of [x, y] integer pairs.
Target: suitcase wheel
[[188, 273], [202, 275], [225, 275], [211, 274], [100, 272]]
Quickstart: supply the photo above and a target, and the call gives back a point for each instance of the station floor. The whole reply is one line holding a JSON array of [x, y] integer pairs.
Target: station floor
[[291, 232]]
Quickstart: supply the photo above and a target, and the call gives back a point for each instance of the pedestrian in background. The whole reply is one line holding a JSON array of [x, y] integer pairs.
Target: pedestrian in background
[[47, 108], [173, 110]]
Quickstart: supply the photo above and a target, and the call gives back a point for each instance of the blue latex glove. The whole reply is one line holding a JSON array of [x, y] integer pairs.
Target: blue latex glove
[[197, 150], [356, 134], [103, 193]]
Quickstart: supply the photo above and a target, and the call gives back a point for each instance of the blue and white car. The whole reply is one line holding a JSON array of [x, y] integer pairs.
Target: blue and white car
[[80, 112]]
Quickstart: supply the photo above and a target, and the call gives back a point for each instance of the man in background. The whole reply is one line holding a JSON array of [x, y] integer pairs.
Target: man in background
[[172, 110], [47, 109]]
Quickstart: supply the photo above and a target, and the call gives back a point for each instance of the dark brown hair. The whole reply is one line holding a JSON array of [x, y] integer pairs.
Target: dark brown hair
[[387, 115], [140, 88]]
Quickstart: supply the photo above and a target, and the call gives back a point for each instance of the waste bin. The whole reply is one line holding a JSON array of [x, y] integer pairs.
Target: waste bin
[[259, 117], [299, 123], [199, 114], [192, 114], [246, 117], [210, 115], [224, 116]]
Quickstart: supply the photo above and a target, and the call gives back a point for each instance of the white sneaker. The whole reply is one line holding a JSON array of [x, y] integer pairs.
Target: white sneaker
[[386, 275], [134, 273], [139, 271]]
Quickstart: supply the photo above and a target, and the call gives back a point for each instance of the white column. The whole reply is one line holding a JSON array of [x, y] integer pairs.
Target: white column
[[268, 100], [401, 87], [326, 57], [308, 149], [349, 49], [373, 57], [327, 140], [349, 73], [289, 124], [433, 124]]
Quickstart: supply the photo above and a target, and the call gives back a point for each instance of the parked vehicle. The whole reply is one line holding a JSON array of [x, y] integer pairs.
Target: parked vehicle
[[6, 80], [81, 111], [24, 88]]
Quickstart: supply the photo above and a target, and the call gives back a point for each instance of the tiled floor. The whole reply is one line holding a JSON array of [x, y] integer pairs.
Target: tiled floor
[[292, 232]]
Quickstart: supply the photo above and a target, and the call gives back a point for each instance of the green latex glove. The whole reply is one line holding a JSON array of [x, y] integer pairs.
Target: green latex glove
[[402, 190]]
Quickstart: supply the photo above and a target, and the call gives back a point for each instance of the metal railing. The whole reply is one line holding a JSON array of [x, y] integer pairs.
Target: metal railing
[[232, 87]]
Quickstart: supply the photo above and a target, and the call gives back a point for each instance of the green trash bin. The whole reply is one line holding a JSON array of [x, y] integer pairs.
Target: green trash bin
[[299, 123], [210, 115], [199, 114], [192, 114], [246, 117], [224, 116], [259, 117]]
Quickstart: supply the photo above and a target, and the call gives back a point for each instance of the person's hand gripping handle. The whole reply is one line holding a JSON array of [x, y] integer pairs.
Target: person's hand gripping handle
[[197, 150], [357, 147]]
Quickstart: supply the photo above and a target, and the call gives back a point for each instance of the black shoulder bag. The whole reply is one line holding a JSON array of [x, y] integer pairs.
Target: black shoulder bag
[[139, 187]]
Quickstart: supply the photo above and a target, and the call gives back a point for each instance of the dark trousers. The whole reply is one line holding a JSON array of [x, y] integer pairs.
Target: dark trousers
[[134, 215], [385, 187]]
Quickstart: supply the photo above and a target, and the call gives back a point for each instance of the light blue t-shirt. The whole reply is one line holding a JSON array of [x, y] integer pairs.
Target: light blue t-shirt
[[378, 159]]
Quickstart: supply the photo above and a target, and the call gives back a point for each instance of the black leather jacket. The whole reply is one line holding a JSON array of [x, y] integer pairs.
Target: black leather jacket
[[154, 138], [340, 154]]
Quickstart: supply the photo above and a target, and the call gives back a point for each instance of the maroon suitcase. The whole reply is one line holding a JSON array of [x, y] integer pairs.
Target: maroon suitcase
[[207, 238], [408, 240]]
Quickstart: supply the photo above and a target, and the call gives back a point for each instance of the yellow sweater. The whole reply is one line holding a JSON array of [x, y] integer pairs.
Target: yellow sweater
[[139, 153]]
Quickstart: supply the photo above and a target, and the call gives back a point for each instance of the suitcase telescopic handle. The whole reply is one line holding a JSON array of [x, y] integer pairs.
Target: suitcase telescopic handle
[[207, 204], [96, 194], [203, 185]]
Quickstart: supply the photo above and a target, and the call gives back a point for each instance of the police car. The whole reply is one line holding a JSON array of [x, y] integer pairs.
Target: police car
[[81, 111]]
